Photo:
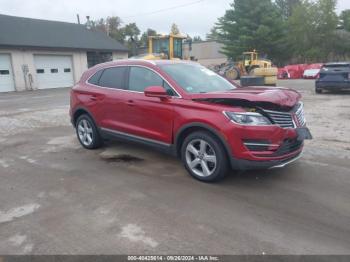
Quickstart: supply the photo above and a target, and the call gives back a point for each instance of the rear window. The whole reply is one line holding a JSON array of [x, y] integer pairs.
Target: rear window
[[113, 77], [95, 78]]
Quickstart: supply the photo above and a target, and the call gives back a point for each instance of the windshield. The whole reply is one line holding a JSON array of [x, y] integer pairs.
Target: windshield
[[194, 78]]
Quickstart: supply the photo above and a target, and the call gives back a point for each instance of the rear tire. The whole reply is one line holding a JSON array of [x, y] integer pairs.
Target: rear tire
[[87, 132], [204, 157]]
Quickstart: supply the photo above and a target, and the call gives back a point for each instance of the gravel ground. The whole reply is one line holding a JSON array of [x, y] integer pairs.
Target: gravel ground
[[57, 198]]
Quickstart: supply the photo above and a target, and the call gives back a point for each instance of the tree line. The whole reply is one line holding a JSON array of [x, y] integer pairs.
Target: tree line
[[287, 31], [129, 34]]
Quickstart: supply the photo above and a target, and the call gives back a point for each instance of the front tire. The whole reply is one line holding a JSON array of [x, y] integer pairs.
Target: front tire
[[87, 132], [232, 73], [204, 157]]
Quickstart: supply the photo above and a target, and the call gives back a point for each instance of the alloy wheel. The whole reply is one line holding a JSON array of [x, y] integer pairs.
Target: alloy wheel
[[85, 132], [201, 158]]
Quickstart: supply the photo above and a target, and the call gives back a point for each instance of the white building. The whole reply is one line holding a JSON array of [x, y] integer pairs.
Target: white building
[[40, 54], [205, 52]]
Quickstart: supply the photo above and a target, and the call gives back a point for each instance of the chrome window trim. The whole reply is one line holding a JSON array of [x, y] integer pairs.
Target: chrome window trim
[[135, 136], [131, 91]]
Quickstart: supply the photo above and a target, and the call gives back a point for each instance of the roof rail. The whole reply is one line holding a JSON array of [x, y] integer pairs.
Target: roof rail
[[143, 60]]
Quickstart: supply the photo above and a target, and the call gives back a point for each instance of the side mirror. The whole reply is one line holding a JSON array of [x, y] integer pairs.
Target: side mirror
[[156, 91]]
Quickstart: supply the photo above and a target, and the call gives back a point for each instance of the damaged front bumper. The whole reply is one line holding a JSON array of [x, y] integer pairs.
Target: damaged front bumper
[[240, 164]]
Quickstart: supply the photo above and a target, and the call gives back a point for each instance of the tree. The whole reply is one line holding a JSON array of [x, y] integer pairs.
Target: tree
[[286, 7], [345, 19], [251, 24], [112, 26], [114, 29], [197, 38], [213, 35], [174, 29], [312, 30], [145, 35], [131, 31]]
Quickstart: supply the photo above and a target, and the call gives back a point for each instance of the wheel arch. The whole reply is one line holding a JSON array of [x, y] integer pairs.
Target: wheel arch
[[81, 111], [193, 127]]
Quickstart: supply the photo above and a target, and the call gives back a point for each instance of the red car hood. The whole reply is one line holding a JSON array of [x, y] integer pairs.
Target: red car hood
[[283, 97]]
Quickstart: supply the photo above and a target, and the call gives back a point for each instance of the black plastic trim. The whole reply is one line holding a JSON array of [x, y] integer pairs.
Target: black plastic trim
[[241, 164], [116, 135]]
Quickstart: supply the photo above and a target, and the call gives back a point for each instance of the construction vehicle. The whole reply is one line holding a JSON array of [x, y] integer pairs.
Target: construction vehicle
[[250, 65], [164, 47]]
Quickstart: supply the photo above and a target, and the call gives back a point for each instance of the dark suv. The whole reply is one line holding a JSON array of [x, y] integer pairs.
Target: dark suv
[[334, 77], [191, 112]]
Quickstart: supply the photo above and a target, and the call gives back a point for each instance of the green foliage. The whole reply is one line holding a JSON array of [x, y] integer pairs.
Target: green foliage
[[312, 30], [127, 34], [345, 19], [286, 7], [174, 29], [251, 24], [285, 30], [145, 35], [213, 35], [197, 38]]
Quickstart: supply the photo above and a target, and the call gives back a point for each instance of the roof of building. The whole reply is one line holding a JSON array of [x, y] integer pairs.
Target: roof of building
[[36, 33]]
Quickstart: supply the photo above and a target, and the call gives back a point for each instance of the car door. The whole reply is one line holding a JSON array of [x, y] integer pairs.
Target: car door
[[112, 84], [148, 117]]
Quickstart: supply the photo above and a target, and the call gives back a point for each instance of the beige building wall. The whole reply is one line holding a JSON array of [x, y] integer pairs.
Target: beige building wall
[[120, 55], [206, 52], [21, 57]]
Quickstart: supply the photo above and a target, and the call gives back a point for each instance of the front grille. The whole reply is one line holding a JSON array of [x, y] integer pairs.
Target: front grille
[[282, 119], [285, 119]]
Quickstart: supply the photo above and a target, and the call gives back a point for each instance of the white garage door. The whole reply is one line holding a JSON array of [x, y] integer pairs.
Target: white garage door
[[53, 71], [6, 76]]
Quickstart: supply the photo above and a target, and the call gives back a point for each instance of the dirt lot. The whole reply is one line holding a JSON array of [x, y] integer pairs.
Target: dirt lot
[[57, 198]]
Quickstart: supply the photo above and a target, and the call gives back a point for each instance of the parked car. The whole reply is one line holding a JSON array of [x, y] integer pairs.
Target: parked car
[[191, 112], [334, 77], [311, 73]]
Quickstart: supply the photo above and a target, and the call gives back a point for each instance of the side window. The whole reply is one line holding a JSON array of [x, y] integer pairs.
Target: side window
[[113, 77], [168, 89], [95, 78], [141, 78]]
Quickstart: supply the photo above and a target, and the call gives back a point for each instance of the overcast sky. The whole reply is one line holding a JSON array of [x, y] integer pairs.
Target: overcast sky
[[195, 17]]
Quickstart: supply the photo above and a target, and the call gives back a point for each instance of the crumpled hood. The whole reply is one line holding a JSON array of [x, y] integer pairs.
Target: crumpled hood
[[283, 97]]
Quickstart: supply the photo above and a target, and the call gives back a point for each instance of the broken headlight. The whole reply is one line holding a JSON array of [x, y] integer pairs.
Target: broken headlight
[[248, 118]]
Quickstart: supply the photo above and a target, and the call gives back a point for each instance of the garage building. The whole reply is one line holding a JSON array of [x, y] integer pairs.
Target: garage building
[[40, 54]]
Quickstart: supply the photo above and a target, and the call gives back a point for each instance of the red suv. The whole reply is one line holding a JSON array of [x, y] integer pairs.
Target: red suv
[[191, 112]]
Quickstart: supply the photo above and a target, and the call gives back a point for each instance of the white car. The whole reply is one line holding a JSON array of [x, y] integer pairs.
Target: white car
[[311, 73]]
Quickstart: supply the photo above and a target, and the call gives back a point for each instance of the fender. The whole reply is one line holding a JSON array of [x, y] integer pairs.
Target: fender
[[203, 126], [84, 109]]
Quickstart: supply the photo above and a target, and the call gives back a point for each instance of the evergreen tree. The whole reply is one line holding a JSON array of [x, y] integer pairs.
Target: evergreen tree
[[251, 24]]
